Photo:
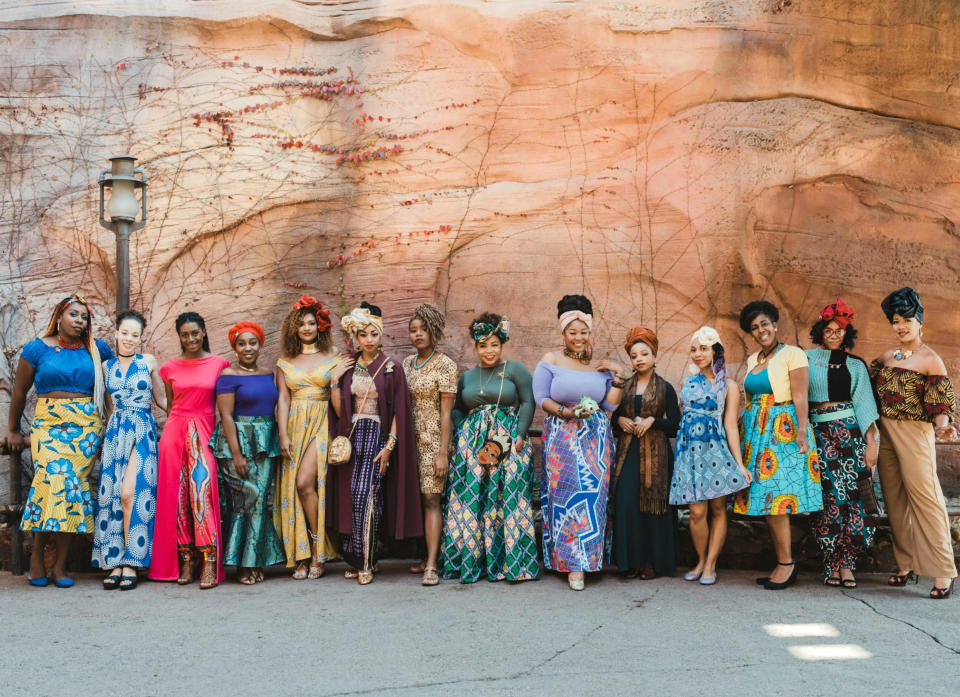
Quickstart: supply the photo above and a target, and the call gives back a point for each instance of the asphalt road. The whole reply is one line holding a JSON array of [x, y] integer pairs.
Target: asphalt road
[[334, 637]]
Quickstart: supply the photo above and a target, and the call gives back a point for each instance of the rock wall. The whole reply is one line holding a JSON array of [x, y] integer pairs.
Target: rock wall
[[671, 160]]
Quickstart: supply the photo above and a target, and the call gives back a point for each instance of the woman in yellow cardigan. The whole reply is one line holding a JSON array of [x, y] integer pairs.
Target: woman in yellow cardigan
[[778, 444]]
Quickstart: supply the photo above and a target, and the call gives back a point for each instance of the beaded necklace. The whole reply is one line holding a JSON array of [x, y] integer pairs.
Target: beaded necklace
[[418, 367]]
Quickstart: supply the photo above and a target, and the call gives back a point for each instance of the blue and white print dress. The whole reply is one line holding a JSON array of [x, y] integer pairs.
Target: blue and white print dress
[[131, 438], [703, 467]]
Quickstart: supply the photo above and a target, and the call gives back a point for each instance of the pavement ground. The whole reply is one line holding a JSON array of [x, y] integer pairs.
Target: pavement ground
[[333, 637]]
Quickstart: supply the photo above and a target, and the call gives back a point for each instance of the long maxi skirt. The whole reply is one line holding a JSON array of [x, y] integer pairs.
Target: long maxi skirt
[[915, 503], [842, 528], [130, 441], [359, 549], [246, 503], [488, 527], [188, 500], [577, 457], [785, 481], [64, 442]]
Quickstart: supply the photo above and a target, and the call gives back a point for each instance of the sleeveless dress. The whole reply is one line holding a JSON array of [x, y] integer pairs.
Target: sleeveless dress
[[306, 421], [131, 438], [703, 467]]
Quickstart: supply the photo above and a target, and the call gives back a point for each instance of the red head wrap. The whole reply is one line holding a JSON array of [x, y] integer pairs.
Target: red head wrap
[[241, 327], [647, 336], [838, 312], [307, 302]]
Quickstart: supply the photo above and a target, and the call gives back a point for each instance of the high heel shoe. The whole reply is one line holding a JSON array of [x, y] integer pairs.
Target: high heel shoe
[[186, 574], [208, 577], [900, 580], [774, 586], [942, 593], [762, 580]]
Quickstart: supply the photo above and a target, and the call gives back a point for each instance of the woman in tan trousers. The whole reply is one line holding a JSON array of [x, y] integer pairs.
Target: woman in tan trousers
[[917, 406]]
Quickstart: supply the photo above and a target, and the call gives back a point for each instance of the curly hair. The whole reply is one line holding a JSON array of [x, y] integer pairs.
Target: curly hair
[[816, 334], [131, 314], [433, 320], [188, 317], [574, 302], [756, 308], [491, 318], [290, 337]]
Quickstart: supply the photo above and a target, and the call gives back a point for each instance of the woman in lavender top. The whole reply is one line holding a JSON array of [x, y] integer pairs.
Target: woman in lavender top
[[576, 393]]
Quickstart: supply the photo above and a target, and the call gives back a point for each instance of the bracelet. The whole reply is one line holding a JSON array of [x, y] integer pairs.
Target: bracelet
[[394, 436], [617, 385], [334, 385]]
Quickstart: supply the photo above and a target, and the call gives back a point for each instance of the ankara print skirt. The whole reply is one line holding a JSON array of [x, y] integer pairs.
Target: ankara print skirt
[[64, 442], [488, 525], [785, 481], [575, 487]]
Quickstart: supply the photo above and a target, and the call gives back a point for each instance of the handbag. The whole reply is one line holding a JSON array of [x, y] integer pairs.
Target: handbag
[[340, 449], [867, 494]]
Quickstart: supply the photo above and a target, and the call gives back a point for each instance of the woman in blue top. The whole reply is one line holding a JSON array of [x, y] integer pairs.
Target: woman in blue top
[[64, 367], [578, 445], [246, 445], [127, 500], [843, 414]]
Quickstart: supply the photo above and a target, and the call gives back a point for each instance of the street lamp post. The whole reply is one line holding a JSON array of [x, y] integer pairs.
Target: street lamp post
[[122, 211]]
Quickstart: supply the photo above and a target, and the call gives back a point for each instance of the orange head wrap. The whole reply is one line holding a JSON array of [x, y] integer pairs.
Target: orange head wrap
[[643, 334], [241, 327], [307, 302]]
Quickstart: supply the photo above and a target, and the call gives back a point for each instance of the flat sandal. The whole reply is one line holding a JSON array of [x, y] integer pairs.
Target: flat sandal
[[430, 577]]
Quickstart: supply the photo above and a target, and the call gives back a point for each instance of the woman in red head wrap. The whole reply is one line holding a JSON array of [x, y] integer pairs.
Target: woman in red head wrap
[[247, 450], [303, 378]]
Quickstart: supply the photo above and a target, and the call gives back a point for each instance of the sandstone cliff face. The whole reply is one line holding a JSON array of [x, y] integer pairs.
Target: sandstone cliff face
[[671, 160]]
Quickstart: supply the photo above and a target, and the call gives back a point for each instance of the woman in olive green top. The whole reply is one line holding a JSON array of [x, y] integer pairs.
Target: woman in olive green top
[[488, 516]]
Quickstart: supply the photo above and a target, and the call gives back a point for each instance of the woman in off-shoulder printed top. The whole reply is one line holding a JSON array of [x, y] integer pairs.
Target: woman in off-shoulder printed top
[[917, 406]]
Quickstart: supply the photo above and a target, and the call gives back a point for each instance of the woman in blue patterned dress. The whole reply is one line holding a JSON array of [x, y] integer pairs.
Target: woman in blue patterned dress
[[126, 503], [708, 464]]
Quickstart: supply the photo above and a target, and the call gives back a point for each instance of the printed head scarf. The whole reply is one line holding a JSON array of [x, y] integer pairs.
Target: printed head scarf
[[307, 302], [838, 312], [647, 336], [242, 327], [904, 302], [361, 317], [570, 316], [484, 330]]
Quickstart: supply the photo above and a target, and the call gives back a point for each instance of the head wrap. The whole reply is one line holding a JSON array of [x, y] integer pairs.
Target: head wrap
[[359, 318], [838, 312], [573, 315], [307, 302], [705, 336], [643, 334], [904, 302], [484, 330], [242, 327]]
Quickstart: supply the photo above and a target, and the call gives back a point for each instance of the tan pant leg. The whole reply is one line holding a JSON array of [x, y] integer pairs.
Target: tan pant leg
[[929, 541], [895, 499]]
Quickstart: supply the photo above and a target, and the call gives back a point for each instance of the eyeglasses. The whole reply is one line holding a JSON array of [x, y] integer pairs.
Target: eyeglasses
[[834, 332]]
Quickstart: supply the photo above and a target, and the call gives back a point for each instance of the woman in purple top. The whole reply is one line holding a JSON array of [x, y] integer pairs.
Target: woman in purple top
[[576, 393], [247, 448]]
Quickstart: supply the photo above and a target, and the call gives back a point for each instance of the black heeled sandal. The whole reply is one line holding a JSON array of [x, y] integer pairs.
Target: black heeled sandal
[[763, 580], [127, 582], [113, 580], [942, 593], [900, 580], [774, 586]]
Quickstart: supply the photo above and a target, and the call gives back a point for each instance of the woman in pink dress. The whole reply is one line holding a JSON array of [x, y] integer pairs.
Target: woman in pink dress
[[188, 505]]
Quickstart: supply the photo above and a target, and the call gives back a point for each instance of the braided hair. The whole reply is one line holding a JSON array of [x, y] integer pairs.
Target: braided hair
[[433, 320], [88, 340]]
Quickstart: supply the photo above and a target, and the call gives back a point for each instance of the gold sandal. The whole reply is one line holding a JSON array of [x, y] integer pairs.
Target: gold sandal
[[350, 573], [316, 571], [247, 579], [418, 568], [208, 577], [300, 572], [430, 577], [364, 577]]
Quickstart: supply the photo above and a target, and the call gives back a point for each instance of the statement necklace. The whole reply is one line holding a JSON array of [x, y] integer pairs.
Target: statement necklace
[[764, 356], [418, 367], [249, 370], [828, 364], [307, 349], [899, 354], [69, 345], [576, 355]]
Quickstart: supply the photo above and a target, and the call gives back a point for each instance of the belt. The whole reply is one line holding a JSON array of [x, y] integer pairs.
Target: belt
[[823, 417]]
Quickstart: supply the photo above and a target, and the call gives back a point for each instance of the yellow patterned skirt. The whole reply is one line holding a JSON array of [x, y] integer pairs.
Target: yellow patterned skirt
[[64, 443], [307, 422]]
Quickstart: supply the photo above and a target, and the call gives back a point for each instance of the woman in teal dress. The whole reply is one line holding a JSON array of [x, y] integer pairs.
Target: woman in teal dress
[[779, 449], [246, 446]]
